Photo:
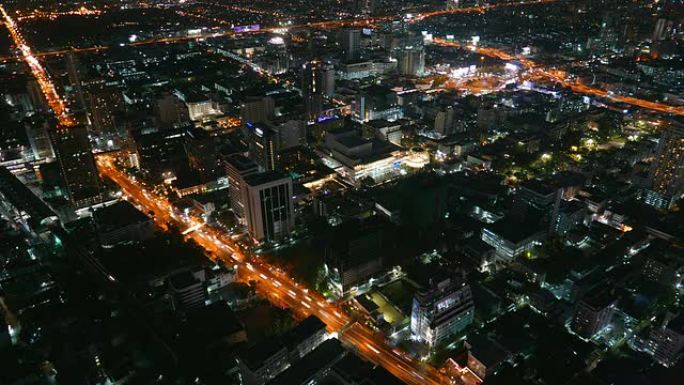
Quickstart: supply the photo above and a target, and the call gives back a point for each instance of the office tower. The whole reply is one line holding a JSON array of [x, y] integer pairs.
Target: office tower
[[170, 110], [667, 340], [444, 121], [412, 61], [269, 208], [161, 151], [36, 97], [257, 109], [350, 42], [667, 170], [312, 89], [536, 201], [187, 290], [74, 73], [593, 313], [77, 164], [328, 79], [442, 309], [262, 146], [103, 106], [37, 133], [238, 167], [202, 153]]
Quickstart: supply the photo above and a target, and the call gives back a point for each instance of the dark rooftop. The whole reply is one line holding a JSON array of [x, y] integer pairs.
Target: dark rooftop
[[118, 215]]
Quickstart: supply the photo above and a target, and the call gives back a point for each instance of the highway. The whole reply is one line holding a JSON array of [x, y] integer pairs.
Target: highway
[[538, 73], [274, 284], [326, 24], [46, 86]]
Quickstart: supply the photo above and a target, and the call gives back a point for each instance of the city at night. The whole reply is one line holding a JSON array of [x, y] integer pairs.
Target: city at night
[[342, 192]]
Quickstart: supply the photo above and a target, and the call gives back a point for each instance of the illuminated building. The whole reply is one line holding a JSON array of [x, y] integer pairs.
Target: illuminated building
[[512, 238], [238, 167], [262, 362], [592, 314], [312, 89], [354, 255], [377, 102], [357, 159], [269, 210], [161, 151], [262, 146], [39, 138], [77, 165], [383, 130], [103, 106], [328, 79], [666, 342], [442, 309], [667, 170], [364, 69], [200, 107]]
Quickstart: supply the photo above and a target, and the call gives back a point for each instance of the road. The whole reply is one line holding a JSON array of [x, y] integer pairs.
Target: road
[[39, 73], [538, 73], [274, 284], [326, 24]]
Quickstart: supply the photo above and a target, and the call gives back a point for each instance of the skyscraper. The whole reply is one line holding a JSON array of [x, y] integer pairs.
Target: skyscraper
[[442, 309], [77, 164], [312, 89], [350, 42], [667, 170], [592, 314], [328, 79], [269, 208], [37, 134], [262, 146], [412, 61], [103, 106], [238, 167]]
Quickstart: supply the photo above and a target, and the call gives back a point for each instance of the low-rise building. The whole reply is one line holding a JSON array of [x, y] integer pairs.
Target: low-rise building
[[120, 223]]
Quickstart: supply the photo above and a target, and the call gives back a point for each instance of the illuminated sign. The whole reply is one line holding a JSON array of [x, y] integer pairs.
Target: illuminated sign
[[247, 28]]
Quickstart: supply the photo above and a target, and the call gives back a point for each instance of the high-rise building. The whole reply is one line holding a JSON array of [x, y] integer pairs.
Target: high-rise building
[[161, 151], [262, 146], [667, 341], [350, 42], [667, 170], [593, 313], [269, 207], [412, 61], [312, 89], [37, 134], [257, 109], [444, 121], [328, 79], [171, 110], [535, 200], [103, 106], [77, 164], [238, 167], [442, 309]]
